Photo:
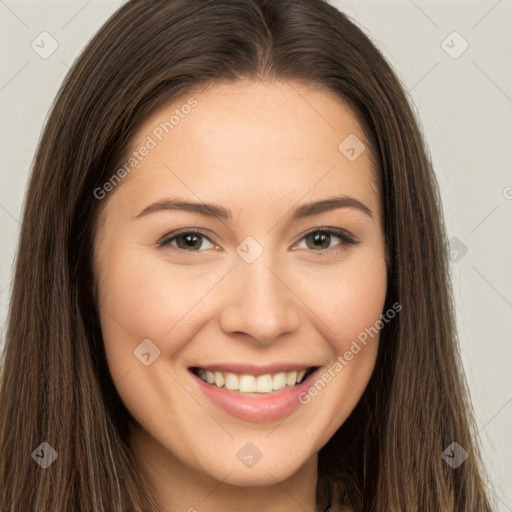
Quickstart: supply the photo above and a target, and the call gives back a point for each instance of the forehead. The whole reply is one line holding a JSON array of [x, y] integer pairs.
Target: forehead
[[253, 144]]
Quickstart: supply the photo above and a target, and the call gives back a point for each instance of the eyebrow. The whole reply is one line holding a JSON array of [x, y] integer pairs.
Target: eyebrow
[[221, 213]]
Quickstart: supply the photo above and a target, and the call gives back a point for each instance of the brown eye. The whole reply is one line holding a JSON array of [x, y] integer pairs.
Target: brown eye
[[190, 241], [320, 240]]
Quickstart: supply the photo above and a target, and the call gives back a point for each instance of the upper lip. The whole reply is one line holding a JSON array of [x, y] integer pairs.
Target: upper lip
[[253, 369]]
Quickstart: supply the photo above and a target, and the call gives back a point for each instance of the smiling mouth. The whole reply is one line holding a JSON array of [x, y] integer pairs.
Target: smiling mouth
[[247, 383]]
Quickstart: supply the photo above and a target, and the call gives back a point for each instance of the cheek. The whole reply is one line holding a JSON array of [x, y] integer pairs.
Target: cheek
[[345, 298], [361, 295], [142, 297], [347, 301]]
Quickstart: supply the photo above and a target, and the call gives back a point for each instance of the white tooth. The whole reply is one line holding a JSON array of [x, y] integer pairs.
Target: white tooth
[[251, 383], [219, 379], [291, 378], [264, 383], [231, 381], [279, 381], [247, 384]]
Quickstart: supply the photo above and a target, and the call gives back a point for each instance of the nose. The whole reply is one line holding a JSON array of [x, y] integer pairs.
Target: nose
[[261, 305]]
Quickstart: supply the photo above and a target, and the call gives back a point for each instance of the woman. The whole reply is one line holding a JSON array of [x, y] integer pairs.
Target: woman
[[261, 372]]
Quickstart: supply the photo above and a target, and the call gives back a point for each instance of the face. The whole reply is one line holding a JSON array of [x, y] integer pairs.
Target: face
[[249, 292]]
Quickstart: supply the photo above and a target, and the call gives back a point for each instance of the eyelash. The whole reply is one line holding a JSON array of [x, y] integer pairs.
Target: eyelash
[[345, 238]]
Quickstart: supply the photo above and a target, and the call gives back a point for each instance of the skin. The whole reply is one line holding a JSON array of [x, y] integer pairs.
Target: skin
[[260, 149]]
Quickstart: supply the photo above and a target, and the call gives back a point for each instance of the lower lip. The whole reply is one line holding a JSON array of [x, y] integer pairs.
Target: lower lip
[[268, 408]]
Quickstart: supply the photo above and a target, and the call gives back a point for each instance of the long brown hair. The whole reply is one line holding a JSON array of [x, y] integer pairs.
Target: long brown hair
[[55, 383]]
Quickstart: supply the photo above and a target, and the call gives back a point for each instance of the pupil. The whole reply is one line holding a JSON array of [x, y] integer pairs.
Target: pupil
[[320, 238], [189, 241]]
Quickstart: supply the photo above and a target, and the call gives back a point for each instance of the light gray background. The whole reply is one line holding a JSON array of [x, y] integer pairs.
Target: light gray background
[[465, 108]]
